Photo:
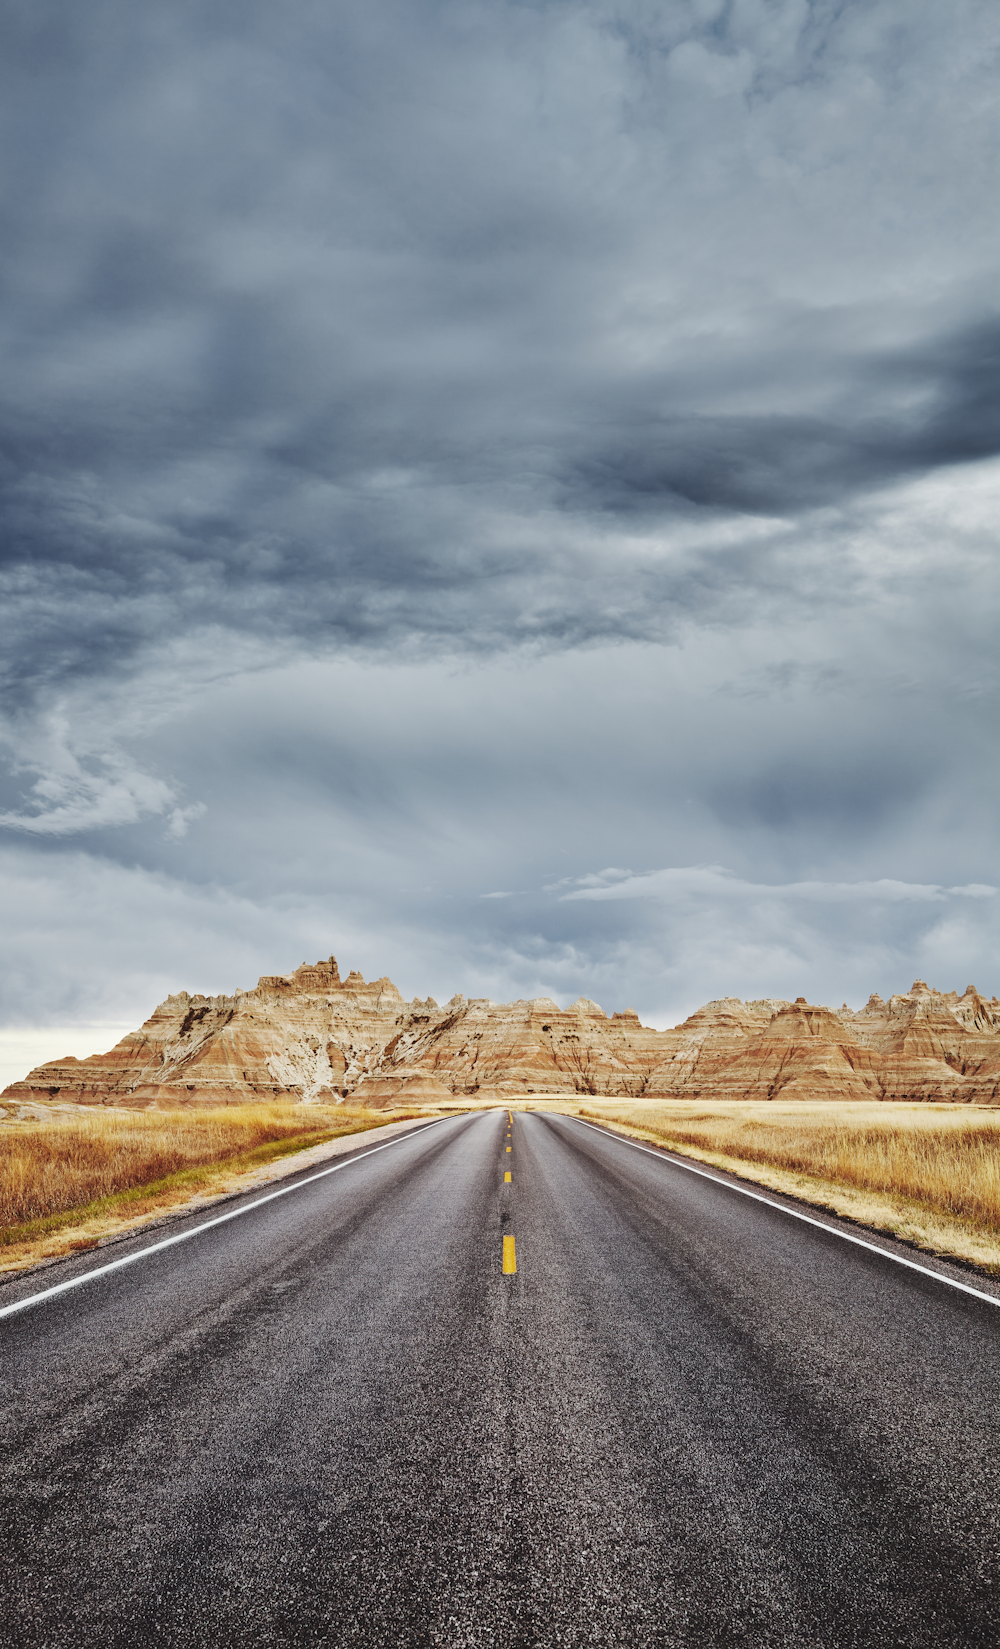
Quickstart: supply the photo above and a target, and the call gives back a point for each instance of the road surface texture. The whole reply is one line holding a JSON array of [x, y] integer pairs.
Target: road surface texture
[[686, 1418]]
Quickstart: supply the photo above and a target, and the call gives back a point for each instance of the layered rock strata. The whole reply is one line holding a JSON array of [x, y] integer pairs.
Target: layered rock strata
[[312, 1036]]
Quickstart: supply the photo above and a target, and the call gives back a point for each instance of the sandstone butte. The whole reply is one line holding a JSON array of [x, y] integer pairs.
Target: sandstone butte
[[314, 1037]]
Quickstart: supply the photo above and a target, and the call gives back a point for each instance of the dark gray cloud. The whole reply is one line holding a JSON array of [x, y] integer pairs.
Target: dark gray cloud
[[491, 331], [935, 404], [314, 327]]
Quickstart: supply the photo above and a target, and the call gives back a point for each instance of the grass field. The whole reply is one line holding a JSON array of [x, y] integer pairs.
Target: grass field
[[67, 1180], [927, 1173]]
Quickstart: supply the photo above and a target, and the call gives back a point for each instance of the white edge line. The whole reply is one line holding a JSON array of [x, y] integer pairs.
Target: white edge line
[[206, 1225], [793, 1213]]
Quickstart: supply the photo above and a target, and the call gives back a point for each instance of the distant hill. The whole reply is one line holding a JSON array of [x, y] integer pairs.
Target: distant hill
[[315, 1037]]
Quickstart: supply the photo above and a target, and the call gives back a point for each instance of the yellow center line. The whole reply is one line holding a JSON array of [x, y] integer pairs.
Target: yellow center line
[[508, 1150], [506, 1178], [509, 1256]]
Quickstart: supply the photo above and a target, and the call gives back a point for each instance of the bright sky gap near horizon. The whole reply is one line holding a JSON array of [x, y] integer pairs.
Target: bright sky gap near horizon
[[506, 493]]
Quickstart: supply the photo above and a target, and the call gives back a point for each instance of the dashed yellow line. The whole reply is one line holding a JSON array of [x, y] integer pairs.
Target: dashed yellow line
[[509, 1252]]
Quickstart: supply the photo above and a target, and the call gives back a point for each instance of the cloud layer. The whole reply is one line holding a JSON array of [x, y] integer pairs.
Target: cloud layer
[[717, 882], [644, 360]]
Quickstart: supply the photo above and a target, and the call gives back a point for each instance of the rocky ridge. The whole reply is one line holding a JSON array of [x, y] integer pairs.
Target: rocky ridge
[[313, 1037]]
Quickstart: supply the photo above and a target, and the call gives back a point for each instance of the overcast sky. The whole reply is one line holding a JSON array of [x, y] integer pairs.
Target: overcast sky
[[506, 493]]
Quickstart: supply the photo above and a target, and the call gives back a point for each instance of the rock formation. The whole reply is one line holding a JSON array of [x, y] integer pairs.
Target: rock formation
[[312, 1036]]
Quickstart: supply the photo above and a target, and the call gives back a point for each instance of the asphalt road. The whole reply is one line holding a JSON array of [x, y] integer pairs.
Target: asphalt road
[[685, 1419]]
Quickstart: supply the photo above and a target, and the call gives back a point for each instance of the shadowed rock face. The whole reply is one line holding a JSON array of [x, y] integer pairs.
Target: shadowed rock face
[[314, 1037]]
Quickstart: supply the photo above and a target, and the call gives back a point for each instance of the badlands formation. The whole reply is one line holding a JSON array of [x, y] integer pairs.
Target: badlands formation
[[315, 1037]]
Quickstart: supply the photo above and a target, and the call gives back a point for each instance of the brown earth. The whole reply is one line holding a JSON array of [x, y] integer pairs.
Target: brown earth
[[316, 1038]]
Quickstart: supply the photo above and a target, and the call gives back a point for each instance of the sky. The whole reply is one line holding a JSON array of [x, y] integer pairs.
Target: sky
[[504, 493]]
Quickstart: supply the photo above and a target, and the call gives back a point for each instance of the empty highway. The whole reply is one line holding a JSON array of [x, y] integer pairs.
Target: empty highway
[[663, 1414]]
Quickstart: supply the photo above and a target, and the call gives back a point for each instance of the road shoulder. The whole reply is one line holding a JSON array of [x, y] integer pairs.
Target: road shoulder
[[903, 1234]]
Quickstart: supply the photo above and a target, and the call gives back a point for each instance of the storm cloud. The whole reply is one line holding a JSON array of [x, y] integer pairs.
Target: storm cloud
[[581, 416]]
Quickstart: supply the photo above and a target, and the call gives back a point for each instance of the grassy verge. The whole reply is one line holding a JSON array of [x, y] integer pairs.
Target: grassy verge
[[66, 1183], [929, 1174]]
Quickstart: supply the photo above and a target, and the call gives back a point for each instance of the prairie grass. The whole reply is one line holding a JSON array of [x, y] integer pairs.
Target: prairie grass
[[93, 1162], [928, 1173]]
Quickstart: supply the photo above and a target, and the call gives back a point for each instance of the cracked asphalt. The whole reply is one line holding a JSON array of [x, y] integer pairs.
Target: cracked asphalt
[[685, 1419]]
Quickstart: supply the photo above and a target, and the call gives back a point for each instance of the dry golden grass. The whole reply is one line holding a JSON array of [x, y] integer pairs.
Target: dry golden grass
[[929, 1173], [68, 1180]]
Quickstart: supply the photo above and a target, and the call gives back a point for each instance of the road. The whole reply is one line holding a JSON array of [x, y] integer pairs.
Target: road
[[685, 1419]]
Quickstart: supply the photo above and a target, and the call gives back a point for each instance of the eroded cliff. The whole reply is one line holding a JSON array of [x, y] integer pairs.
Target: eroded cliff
[[311, 1036]]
